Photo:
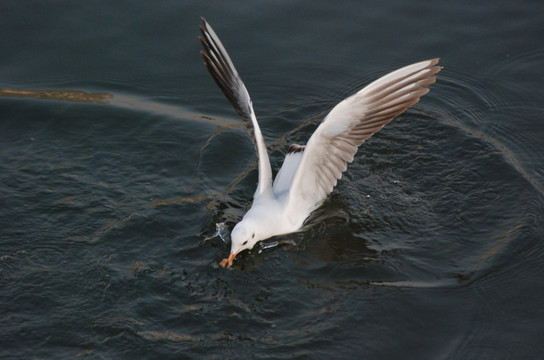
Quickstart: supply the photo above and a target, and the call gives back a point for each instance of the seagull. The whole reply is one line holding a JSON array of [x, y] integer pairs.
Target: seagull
[[309, 172]]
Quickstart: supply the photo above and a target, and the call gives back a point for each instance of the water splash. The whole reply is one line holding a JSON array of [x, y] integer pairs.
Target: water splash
[[221, 231], [275, 243]]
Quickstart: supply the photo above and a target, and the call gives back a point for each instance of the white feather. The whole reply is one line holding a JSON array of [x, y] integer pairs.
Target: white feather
[[284, 177]]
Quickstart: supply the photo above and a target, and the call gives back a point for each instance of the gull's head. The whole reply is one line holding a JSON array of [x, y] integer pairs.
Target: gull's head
[[244, 236]]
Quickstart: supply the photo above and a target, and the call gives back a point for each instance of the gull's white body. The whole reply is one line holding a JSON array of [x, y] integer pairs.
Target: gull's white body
[[309, 173]]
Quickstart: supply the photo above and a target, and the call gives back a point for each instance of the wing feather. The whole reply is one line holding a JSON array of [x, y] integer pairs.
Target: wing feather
[[335, 142], [224, 73], [284, 177]]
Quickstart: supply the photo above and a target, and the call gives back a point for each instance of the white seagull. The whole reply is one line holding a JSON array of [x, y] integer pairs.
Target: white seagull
[[309, 173]]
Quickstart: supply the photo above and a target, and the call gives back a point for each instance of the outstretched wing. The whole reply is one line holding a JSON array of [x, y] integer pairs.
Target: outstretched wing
[[349, 124], [224, 73]]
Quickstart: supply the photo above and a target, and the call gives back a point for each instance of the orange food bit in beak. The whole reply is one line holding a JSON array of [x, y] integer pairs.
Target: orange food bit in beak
[[228, 262]]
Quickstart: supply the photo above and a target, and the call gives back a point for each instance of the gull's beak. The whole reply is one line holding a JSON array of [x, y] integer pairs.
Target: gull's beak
[[228, 262]]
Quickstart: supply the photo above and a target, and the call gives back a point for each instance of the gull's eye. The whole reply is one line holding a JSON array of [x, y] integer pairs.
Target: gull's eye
[[253, 236], [245, 242]]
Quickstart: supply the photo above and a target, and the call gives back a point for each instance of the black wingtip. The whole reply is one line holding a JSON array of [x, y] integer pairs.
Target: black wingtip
[[203, 26], [295, 148]]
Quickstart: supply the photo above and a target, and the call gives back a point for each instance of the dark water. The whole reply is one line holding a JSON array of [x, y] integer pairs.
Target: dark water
[[431, 247]]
